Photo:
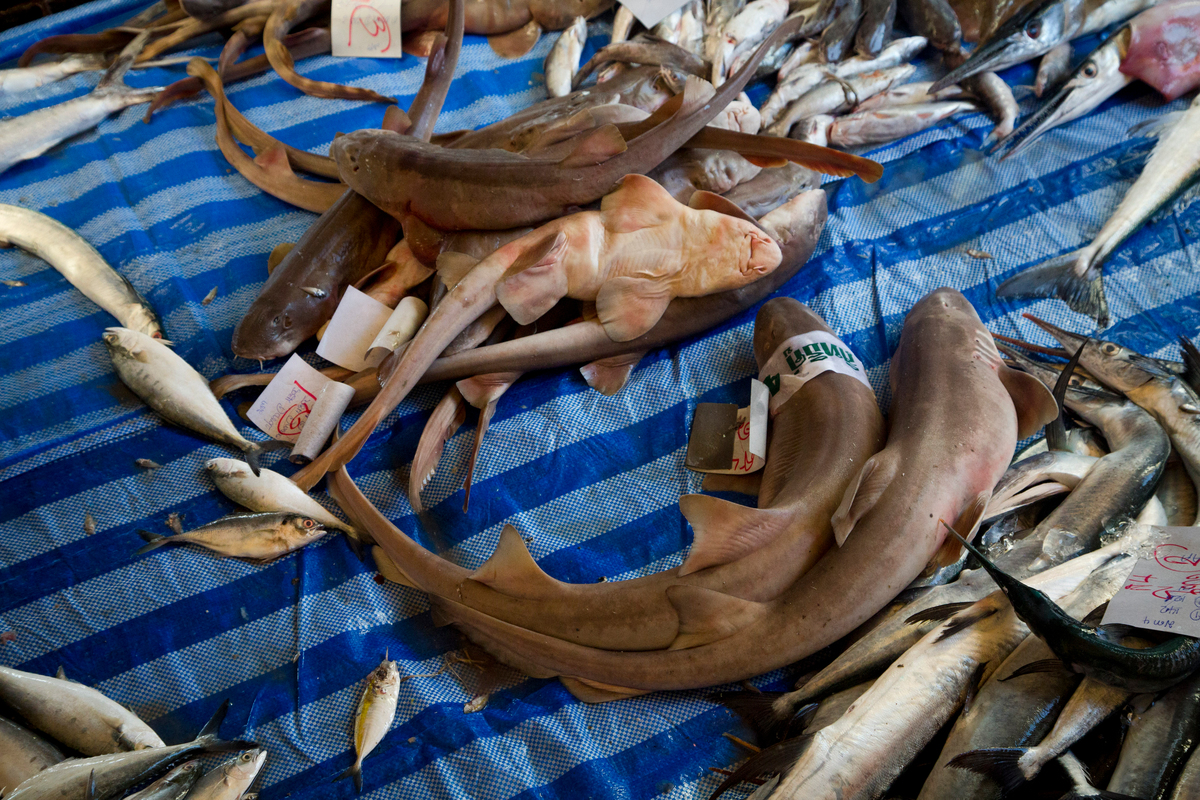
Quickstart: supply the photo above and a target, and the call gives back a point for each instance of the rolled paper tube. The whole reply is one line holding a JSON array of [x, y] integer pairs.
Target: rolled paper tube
[[401, 326], [326, 411]]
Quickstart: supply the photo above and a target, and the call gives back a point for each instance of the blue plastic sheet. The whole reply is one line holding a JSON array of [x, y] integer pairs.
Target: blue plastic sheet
[[594, 481]]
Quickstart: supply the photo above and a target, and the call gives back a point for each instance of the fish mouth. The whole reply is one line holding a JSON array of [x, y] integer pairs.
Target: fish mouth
[[1073, 341], [1053, 111]]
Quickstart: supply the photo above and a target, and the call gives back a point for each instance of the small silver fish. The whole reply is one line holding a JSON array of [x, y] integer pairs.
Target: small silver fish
[[212, 295], [230, 780], [259, 537], [376, 710], [175, 785]]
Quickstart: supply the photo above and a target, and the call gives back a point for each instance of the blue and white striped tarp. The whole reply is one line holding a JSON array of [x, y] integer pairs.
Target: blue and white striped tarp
[[594, 480]]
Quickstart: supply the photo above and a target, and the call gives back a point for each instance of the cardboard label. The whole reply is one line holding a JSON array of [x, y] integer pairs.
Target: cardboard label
[[750, 438], [358, 320], [804, 357], [1162, 592], [365, 28], [652, 12], [283, 407]]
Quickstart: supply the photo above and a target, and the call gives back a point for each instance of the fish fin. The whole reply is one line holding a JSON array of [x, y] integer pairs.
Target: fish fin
[[628, 307], [1155, 127], [1094, 616], [973, 686], [1056, 429], [707, 616], [767, 162], [707, 201], [769, 714], [485, 417], [1042, 666], [277, 254], [212, 728], [1056, 277], [90, 792], [275, 159], [515, 44], [453, 267], [353, 771], [724, 532], [596, 692], [255, 452], [637, 202], [968, 522], [154, 541], [997, 763], [861, 496], [452, 408], [939, 613], [595, 147], [396, 120], [480, 390], [114, 76], [512, 570], [769, 761], [1034, 403], [388, 569], [61, 674], [963, 620], [536, 281], [1191, 362], [609, 375]]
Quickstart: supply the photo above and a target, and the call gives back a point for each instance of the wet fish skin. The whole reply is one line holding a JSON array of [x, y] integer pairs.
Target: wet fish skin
[[838, 36], [32, 134], [563, 60], [887, 124], [80, 263], [23, 754], [169, 385], [230, 780], [836, 96], [22, 79], [772, 188], [175, 785], [374, 717], [1157, 743], [76, 715], [935, 20], [1053, 67], [875, 30], [1188, 785], [260, 537]]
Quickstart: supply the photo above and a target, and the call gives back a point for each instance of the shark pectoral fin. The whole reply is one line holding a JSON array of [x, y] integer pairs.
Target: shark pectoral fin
[[967, 524], [628, 307], [595, 147], [388, 569], [609, 375], [480, 390], [1034, 402], [707, 201], [511, 569], [453, 267], [638, 202], [596, 692], [535, 282], [861, 496], [707, 616], [725, 532]]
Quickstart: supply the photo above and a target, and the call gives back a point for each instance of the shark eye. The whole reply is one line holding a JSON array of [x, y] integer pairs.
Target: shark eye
[[1033, 28], [1089, 70]]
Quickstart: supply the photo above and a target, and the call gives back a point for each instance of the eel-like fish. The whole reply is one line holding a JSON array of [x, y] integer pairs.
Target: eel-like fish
[[79, 263], [946, 377]]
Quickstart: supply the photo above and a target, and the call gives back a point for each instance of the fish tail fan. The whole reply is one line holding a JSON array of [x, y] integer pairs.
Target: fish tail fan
[[1057, 277], [773, 760], [213, 726], [254, 452], [153, 542], [1001, 764], [210, 735], [773, 716], [353, 771]]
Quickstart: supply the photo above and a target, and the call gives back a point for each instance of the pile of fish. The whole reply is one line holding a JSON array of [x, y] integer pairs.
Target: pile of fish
[[978, 679]]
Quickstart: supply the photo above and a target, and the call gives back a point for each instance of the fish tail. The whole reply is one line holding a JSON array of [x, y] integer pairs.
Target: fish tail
[[1057, 277], [353, 771], [210, 735], [773, 716], [154, 541], [255, 452], [114, 76], [1001, 764]]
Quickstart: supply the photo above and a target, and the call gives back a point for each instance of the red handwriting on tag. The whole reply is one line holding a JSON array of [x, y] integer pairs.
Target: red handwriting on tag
[[366, 28], [1163, 589], [373, 25]]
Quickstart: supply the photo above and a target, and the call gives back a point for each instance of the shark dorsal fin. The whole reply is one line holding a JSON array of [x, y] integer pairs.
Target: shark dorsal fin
[[707, 616], [725, 531], [512, 570]]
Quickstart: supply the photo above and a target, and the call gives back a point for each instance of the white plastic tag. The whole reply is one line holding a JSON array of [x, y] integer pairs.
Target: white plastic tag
[[284, 405], [802, 358], [365, 28], [652, 12], [355, 324], [750, 440], [1162, 591]]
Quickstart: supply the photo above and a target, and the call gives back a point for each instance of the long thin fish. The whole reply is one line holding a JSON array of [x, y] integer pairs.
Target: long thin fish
[[81, 264]]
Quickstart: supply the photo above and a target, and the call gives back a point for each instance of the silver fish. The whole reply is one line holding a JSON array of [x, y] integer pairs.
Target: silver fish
[[80, 263], [911, 94], [22, 79], [32, 134], [230, 780], [373, 719], [563, 61], [1053, 67], [891, 123], [841, 94], [175, 785], [76, 715], [754, 23], [261, 537], [169, 385], [1076, 277], [1157, 743], [23, 754], [717, 14], [1188, 786]]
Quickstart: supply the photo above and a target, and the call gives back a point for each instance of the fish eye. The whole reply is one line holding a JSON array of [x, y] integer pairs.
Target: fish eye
[[1089, 70], [308, 523], [247, 757], [1110, 348], [1033, 28]]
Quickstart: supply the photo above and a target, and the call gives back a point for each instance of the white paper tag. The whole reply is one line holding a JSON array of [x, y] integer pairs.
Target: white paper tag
[[401, 326], [358, 319], [750, 440], [284, 405], [365, 28], [802, 358], [1162, 591], [652, 12]]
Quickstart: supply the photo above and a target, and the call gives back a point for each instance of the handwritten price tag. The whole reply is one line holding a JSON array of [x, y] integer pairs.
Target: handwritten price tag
[[1163, 590], [750, 438], [365, 28], [284, 406]]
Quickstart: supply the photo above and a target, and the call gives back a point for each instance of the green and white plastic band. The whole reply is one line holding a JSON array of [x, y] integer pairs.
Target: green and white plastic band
[[802, 358]]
